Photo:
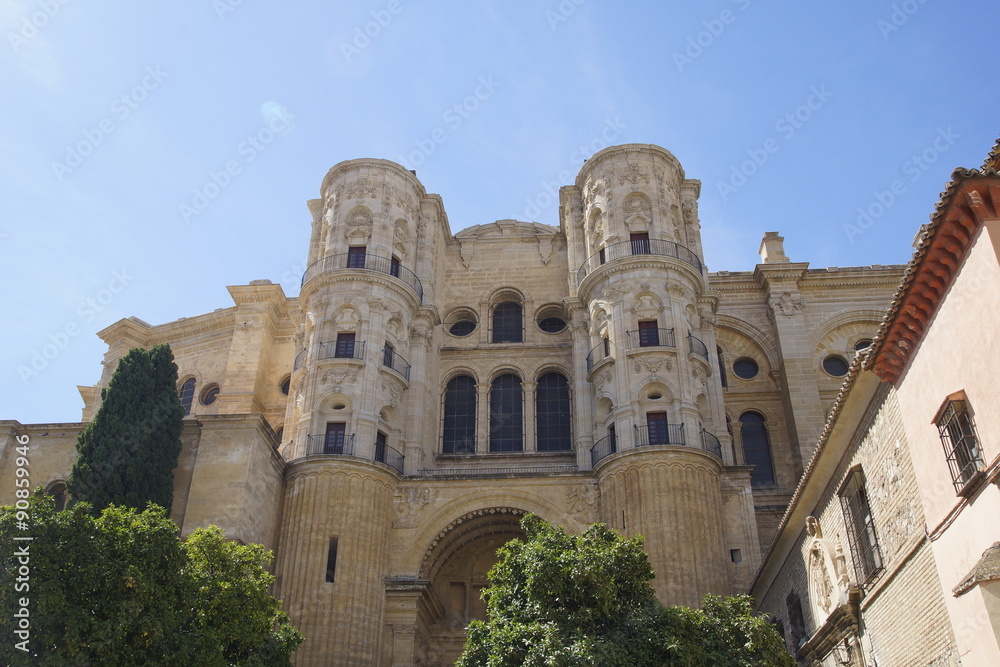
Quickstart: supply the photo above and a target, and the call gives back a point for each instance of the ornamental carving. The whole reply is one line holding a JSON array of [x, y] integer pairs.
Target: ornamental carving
[[785, 305], [636, 204], [339, 377], [583, 501], [827, 573], [360, 218], [635, 173], [361, 189], [404, 204], [652, 364], [378, 304]]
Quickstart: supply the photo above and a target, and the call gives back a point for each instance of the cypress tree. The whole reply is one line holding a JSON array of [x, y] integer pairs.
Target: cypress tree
[[127, 454]]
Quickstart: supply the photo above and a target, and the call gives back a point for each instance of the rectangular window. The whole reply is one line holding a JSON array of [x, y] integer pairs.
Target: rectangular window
[[656, 422], [860, 527], [649, 333], [333, 443], [601, 255], [331, 561], [380, 445], [961, 445], [394, 267], [640, 243], [387, 354], [345, 346], [356, 257]]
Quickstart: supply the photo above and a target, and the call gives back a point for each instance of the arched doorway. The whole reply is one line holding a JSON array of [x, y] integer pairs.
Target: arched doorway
[[456, 565]]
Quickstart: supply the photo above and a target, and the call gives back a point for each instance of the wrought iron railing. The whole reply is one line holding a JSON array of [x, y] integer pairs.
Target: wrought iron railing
[[629, 248], [330, 443], [660, 434], [695, 346], [352, 350], [395, 362], [600, 352], [649, 338], [603, 448], [366, 262], [300, 359], [389, 456], [710, 443]]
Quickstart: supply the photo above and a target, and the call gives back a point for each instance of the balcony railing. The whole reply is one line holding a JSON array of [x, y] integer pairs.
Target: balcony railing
[[299, 360], [710, 443], [604, 447], [600, 352], [661, 434], [649, 338], [695, 346], [385, 265], [337, 444], [352, 350], [394, 362], [629, 248]]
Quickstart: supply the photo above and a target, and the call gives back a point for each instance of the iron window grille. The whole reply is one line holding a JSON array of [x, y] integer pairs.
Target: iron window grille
[[961, 444], [861, 533]]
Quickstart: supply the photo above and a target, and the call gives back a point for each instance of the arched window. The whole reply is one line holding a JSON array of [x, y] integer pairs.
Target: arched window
[[506, 414], [459, 429], [552, 421], [757, 448], [187, 395], [508, 323], [57, 490], [722, 367]]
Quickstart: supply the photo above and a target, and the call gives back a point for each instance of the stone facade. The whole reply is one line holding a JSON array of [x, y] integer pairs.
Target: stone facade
[[908, 571], [385, 430]]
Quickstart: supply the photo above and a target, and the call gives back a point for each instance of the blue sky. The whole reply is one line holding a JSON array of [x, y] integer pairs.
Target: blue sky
[[153, 153]]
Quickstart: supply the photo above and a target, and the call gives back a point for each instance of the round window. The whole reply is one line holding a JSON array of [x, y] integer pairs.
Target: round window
[[835, 365], [862, 344], [552, 324], [462, 328], [210, 393], [746, 368]]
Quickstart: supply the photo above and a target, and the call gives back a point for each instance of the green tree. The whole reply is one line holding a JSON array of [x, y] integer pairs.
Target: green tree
[[122, 588], [558, 599], [127, 454]]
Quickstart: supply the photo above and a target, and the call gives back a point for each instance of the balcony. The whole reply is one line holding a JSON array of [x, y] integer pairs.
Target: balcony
[[604, 447], [395, 363], [386, 265], [695, 346], [300, 359], [710, 443], [342, 350], [336, 444], [658, 247], [662, 434], [600, 352], [649, 338]]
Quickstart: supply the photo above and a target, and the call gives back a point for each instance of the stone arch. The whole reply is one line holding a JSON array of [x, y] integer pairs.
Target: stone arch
[[764, 342], [839, 333]]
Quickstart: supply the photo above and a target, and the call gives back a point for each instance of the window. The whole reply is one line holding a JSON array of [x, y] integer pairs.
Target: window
[[459, 428], [722, 368], [380, 446], [462, 328], [961, 445], [345, 346], [863, 344], [209, 394], [58, 492], [613, 438], [640, 243], [601, 255], [552, 324], [860, 526], [552, 413], [356, 257], [394, 267], [285, 384], [187, 395], [506, 414], [835, 365], [333, 443], [331, 561], [757, 448], [507, 327], [387, 353], [745, 368], [649, 333], [658, 429]]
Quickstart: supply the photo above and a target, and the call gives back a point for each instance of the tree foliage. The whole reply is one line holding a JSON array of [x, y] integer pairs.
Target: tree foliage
[[128, 452], [122, 588], [558, 599]]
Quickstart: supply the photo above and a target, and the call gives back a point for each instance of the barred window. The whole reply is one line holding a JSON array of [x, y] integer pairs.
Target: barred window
[[961, 445], [552, 422], [459, 428], [506, 414], [508, 323], [187, 395], [860, 527]]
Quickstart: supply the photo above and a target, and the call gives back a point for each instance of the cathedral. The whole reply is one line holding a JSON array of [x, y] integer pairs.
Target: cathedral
[[384, 430]]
